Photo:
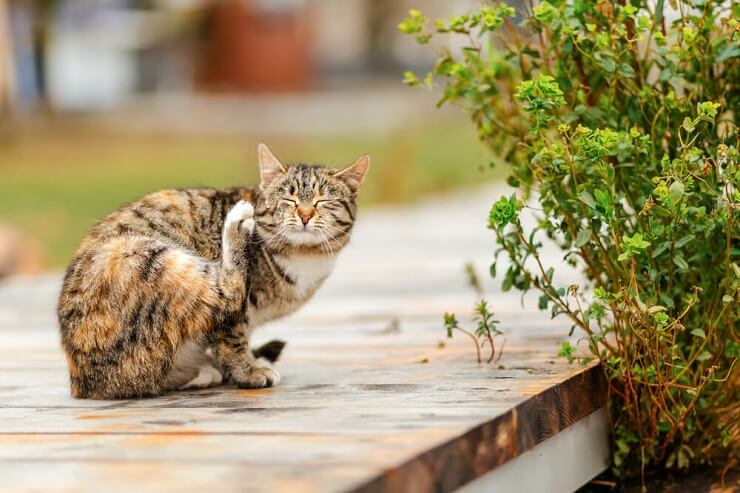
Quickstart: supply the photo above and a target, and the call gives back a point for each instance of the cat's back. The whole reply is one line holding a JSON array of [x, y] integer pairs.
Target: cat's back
[[140, 234], [160, 239], [191, 218]]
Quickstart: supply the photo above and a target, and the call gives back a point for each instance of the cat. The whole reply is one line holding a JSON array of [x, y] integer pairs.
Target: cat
[[164, 293]]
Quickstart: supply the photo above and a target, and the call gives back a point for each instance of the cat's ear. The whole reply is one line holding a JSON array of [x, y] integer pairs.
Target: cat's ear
[[270, 166], [354, 174]]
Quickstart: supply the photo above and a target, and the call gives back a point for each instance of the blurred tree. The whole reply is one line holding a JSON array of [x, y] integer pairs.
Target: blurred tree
[[6, 60], [381, 32], [42, 12]]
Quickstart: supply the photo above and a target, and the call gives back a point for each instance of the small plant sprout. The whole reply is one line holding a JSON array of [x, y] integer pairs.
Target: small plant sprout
[[451, 324], [485, 332], [567, 351], [487, 328]]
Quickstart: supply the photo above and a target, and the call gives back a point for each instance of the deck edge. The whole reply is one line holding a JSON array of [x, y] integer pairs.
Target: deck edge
[[458, 461]]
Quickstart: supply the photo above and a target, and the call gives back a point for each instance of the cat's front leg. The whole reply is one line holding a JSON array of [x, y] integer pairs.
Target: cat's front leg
[[235, 356]]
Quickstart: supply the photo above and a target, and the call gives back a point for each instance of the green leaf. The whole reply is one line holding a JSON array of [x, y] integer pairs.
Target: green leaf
[[544, 12], [583, 237], [676, 189], [542, 305], [659, 11], [632, 245], [685, 240], [609, 65], [587, 199], [622, 446], [661, 248], [732, 350], [410, 79], [730, 51], [567, 350], [626, 71], [624, 256], [680, 262], [429, 80], [450, 323], [507, 284], [707, 110], [683, 459], [699, 333], [705, 355], [503, 212]]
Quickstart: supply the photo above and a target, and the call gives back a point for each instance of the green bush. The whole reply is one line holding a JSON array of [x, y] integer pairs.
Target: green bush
[[618, 118]]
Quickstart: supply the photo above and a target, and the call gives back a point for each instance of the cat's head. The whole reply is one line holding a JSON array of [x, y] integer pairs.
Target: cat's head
[[309, 205]]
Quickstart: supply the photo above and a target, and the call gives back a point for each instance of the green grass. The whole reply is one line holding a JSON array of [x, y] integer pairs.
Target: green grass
[[55, 182]]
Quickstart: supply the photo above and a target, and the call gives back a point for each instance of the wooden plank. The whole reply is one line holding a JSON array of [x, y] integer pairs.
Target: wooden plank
[[351, 401], [50, 476]]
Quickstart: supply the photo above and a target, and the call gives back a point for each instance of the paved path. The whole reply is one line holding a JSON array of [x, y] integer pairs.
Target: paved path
[[369, 399], [364, 108]]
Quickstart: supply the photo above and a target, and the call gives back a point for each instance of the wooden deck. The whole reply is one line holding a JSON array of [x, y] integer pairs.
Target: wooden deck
[[370, 400]]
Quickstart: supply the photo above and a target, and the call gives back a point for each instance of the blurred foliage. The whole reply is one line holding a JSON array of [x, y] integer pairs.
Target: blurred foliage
[[621, 116], [55, 182]]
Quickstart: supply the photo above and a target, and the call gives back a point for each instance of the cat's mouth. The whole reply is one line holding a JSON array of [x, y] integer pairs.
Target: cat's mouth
[[304, 235]]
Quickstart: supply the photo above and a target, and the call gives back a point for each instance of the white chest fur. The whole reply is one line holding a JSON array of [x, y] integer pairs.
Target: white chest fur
[[307, 271]]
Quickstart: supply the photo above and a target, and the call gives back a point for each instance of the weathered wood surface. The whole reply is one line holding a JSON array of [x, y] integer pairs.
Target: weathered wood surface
[[368, 402]]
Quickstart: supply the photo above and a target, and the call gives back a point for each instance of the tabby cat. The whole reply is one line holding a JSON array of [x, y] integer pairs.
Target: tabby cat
[[165, 292]]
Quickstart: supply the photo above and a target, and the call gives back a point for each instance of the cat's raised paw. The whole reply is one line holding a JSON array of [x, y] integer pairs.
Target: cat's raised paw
[[242, 214]]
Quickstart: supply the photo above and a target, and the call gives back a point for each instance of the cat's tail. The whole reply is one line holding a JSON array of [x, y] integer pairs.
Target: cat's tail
[[270, 350]]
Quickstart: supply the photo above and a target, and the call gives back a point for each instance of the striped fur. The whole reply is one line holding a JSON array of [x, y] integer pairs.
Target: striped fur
[[175, 271]]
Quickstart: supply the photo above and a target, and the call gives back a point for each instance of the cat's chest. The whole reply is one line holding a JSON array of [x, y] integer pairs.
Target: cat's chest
[[306, 272], [283, 294]]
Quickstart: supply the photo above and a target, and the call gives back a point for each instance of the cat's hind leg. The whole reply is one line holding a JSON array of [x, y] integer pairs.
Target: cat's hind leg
[[194, 365], [127, 307], [208, 376], [193, 368]]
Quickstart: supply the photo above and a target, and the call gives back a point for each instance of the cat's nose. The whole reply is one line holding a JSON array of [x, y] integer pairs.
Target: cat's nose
[[306, 213]]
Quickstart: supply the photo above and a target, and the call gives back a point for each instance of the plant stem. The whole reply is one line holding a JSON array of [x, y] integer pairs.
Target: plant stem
[[475, 341]]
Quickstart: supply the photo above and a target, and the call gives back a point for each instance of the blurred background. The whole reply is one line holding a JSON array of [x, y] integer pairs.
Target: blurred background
[[102, 101]]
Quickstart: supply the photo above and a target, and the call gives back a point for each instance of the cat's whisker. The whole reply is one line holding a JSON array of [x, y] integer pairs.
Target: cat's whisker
[[333, 236], [280, 234], [325, 240], [331, 228]]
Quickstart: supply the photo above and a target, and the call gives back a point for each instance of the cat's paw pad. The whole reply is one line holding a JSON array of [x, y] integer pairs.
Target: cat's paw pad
[[241, 215], [259, 377]]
